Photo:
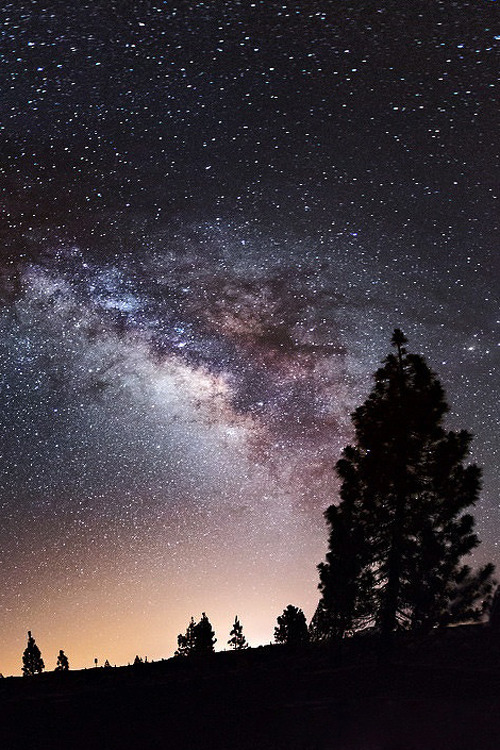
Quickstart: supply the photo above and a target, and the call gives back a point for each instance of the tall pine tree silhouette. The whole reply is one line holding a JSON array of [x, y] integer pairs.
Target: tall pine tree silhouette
[[399, 534], [32, 658]]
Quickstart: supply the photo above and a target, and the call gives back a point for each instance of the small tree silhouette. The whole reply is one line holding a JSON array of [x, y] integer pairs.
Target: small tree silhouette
[[185, 643], [238, 640], [62, 662], [204, 636], [198, 639], [32, 658], [138, 661], [292, 627]]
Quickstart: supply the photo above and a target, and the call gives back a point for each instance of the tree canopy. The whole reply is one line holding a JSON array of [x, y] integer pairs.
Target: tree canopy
[[400, 531]]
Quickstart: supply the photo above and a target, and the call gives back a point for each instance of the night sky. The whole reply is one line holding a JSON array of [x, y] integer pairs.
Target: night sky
[[213, 215]]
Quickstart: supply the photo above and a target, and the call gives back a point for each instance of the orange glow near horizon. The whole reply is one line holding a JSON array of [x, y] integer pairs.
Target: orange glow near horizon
[[117, 622]]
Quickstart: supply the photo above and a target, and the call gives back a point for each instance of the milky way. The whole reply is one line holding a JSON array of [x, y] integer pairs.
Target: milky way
[[212, 219]]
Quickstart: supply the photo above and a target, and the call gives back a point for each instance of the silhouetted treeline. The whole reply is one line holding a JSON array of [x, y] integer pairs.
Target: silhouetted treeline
[[442, 691]]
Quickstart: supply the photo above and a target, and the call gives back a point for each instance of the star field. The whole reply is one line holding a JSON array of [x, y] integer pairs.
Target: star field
[[212, 218]]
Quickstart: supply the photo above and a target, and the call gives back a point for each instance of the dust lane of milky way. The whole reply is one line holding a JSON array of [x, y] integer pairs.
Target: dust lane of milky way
[[212, 219]]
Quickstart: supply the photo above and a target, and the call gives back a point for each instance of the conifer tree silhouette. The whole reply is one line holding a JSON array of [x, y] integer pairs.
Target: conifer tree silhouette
[[32, 658], [237, 640], [198, 639], [399, 534], [185, 642], [62, 662], [204, 636], [292, 627]]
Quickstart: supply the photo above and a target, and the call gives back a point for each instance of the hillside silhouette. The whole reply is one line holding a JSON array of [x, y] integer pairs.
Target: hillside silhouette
[[440, 692]]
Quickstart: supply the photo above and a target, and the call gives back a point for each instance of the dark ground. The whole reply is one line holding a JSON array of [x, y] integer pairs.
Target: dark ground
[[441, 692]]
